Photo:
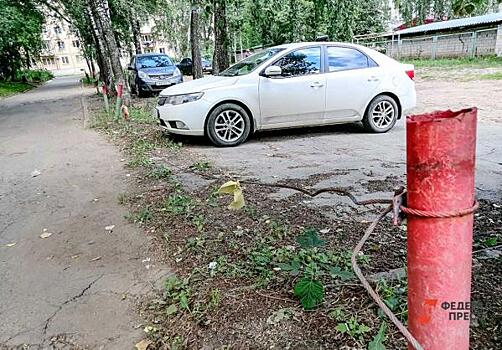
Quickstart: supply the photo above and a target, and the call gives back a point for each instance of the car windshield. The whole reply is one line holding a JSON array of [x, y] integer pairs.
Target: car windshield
[[250, 63], [153, 61]]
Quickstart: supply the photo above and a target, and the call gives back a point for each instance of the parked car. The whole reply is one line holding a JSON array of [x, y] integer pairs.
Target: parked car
[[292, 85], [152, 72], [186, 66]]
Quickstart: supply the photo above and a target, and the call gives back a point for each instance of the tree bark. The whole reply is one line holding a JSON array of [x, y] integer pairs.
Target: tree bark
[[220, 58], [105, 69], [103, 18], [195, 40], [136, 32]]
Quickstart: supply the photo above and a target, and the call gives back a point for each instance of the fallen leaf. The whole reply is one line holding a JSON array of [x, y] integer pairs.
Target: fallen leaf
[[46, 235], [96, 258], [110, 228], [233, 187], [35, 173], [11, 244], [143, 345]]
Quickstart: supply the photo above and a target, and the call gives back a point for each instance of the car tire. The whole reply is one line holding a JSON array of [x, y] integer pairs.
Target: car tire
[[381, 114], [139, 92], [228, 125]]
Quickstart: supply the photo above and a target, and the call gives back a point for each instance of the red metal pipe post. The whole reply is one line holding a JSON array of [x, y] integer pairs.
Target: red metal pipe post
[[440, 170]]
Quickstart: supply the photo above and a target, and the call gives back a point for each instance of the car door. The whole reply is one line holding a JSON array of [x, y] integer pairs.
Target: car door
[[352, 78], [297, 97]]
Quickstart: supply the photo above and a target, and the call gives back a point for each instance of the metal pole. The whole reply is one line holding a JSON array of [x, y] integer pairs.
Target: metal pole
[[441, 150]]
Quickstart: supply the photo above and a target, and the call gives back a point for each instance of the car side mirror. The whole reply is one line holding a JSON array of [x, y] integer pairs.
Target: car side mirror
[[129, 67], [272, 71]]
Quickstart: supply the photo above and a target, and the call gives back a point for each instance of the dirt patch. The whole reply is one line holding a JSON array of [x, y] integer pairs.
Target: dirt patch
[[236, 271]]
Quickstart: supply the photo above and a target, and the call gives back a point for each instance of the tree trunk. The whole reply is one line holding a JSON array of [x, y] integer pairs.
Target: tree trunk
[[103, 18], [220, 57], [195, 40], [136, 32], [105, 69]]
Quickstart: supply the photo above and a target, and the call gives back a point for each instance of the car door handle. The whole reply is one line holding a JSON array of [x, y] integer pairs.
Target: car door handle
[[316, 84], [373, 79]]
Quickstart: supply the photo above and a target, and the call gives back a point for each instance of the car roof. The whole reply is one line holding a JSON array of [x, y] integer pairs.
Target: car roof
[[308, 43]]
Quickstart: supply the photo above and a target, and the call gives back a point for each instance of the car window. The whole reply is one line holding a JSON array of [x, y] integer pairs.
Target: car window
[[345, 58], [153, 61], [250, 63], [185, 61], [301, 62]]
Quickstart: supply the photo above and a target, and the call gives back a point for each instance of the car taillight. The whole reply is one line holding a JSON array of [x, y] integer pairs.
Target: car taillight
[[410, 74]]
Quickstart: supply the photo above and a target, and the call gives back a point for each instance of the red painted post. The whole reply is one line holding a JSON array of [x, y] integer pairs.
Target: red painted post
[[441, 150]]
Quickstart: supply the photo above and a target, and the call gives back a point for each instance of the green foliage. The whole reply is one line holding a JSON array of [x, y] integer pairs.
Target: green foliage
[[21, 36], [310, 292], [160, 172], [309, 239], [201, 166], [8, 88], [34, 75], [395, 297], [378, 339], [177, 293], [178, 204], [353, 328], [456, 63]]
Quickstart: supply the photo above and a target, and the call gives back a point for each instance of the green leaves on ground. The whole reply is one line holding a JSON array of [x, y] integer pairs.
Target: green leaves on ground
[[310, 239], [377, 342], [310, 292], [353, 328]]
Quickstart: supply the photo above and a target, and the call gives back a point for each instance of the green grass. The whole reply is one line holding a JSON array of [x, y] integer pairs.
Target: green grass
[[464, 62], [11, 88], [491, 76]]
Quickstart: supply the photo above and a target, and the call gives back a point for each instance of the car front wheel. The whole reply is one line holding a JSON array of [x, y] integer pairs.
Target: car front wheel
[[381, 114], [228, 125]]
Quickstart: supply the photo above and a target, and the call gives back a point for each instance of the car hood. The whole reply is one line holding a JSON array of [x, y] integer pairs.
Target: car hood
[[199, 85], [159, 70]]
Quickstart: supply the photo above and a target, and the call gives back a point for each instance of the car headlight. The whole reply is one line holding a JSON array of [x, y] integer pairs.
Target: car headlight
[[143, 75], [179, 99]]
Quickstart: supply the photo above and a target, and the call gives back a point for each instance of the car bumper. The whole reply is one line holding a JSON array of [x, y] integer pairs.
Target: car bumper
[[408, 101], [159, 85], [184, 119]]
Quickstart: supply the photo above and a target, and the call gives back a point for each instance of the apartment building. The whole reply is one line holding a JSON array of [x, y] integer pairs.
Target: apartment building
[[61, 53]]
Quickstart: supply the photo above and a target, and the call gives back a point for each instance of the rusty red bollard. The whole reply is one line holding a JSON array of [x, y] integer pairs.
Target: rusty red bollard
[[441, 150]]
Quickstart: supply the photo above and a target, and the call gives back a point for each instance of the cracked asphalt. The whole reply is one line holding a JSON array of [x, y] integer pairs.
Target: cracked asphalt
[[77, 288]]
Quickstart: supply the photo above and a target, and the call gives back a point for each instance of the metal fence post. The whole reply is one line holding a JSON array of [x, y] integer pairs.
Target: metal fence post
[[434, 47]]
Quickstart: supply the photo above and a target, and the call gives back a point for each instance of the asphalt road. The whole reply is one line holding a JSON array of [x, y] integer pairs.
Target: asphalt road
[[76, 288], [370, 165]]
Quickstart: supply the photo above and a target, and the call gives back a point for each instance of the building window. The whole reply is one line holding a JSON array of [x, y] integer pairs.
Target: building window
[[45, 45], [146, 37], [65, 60], [162, 50], [79, 58], [57, 30], [76, 43], [61, 45]]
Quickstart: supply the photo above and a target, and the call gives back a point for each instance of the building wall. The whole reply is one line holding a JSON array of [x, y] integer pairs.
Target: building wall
[[61, 54], [498, 46]]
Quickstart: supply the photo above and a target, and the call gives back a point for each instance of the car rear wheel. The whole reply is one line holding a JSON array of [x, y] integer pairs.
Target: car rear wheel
[[381, 115], [228, 125]]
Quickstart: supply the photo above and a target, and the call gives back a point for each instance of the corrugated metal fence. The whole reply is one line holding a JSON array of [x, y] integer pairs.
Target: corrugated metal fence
[[465, 44]]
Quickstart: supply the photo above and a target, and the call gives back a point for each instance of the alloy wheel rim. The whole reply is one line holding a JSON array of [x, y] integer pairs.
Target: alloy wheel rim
[[229, 126], [383, 114]]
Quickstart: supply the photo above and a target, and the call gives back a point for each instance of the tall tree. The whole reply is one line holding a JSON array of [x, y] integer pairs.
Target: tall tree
[[195, 40], [221, 43]]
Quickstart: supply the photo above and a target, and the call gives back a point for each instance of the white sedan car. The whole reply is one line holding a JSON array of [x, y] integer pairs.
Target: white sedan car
[[293, 85]]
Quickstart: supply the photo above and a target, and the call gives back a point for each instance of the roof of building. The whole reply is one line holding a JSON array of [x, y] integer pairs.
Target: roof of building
[[454, 23]]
